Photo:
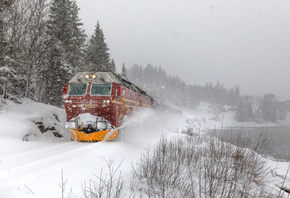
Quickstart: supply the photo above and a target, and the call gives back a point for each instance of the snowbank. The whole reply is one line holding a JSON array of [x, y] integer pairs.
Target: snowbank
[[35, 168]]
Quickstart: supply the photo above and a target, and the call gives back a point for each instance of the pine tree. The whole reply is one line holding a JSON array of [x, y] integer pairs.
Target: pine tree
[[75, 48], [268, 108], [231, 97], [64, 49], [65, 26], [237, 93], [57, 71], [135, 73], [245, 111], [112, 67], [124, 71], [53, 76], [97, 57]]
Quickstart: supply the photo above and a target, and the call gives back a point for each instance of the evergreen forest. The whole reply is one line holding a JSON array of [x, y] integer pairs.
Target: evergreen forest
[[42, 45]]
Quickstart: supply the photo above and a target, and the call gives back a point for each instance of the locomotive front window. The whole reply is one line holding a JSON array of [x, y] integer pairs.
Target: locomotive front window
[[77, 89], [101, 89]]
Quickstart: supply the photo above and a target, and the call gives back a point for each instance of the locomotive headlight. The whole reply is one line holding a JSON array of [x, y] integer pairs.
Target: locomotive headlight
[[106, 101], [94, 76], [87, 76], [67, 101], [102, 125]]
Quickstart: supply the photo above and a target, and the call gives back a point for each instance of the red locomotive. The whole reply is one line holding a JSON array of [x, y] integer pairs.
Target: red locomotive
[[96, 103]]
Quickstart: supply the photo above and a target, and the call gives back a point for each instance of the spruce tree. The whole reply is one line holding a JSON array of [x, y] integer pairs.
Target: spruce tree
[[56, 71], [124, 71], [65, 26], [268, 108], [112, 67], [97, 56], [64, 45], [53, 75], [75, 48], [244, 111]]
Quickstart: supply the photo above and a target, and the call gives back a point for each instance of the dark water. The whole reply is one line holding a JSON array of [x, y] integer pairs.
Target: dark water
[[271, 141]]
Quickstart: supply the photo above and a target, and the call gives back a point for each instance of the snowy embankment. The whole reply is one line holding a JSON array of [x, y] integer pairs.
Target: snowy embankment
[[35, 164]]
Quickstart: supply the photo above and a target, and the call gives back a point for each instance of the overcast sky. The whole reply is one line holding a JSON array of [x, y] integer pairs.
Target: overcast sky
[[238, 42]]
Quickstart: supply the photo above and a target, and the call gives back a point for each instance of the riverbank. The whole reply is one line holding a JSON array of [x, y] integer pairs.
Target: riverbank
[[209, 118], [224, 117]]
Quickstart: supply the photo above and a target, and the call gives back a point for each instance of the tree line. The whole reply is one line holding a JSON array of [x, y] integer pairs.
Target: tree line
[[267, 109], [173, 90], [42, 45]]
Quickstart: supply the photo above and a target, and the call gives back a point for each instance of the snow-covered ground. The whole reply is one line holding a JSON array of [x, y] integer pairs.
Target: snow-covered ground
[[32, 164]]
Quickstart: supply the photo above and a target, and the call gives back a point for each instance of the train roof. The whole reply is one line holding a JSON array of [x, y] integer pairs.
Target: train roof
[[105, 77], [99, 77]]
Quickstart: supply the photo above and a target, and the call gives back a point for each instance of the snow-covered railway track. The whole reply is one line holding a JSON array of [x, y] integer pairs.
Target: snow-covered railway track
[[27, 148], [16, 162]]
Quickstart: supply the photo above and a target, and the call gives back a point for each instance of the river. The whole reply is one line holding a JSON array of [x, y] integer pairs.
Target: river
[[274, 141]]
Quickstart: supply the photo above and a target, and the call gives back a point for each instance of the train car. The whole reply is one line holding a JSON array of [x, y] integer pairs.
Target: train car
[[97, 102]]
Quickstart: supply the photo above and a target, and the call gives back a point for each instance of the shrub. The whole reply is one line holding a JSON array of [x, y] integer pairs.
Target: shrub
[[200, 166]]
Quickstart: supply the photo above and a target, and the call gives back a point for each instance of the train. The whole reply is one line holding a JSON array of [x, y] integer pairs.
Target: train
[[97, 102]]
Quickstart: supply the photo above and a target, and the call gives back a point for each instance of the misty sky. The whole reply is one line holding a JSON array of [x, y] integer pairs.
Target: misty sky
[[238, 42]]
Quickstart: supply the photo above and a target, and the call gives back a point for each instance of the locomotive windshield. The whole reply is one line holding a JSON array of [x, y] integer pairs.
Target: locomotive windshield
[[101, 89], [77, 89]]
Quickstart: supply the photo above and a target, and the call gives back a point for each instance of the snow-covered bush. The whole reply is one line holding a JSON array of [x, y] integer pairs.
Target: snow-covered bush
[[109, 184], [200, 166]]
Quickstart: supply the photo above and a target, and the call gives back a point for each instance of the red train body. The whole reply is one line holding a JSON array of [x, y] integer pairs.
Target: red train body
[[96, 103]]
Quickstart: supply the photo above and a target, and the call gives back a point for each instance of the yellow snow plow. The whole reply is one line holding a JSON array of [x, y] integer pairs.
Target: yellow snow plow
[[94, 136]]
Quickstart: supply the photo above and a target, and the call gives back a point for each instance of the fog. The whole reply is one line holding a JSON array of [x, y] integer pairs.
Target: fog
[[241, 42]]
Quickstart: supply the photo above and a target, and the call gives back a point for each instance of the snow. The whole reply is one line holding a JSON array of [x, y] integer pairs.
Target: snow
[[34, 168], [7, 69]]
